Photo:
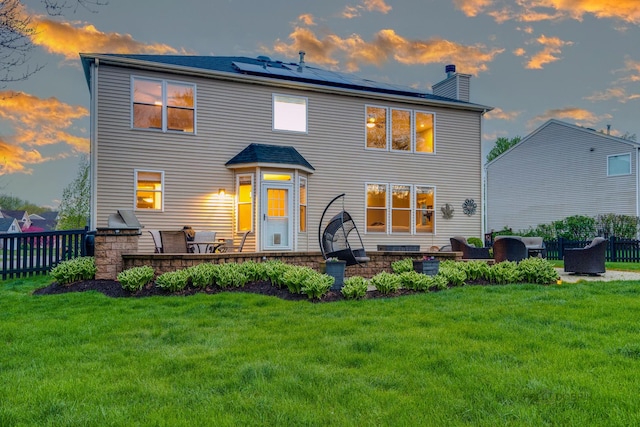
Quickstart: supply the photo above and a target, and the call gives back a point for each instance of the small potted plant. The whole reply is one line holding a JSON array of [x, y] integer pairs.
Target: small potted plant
[[334, 267], [427, 265]]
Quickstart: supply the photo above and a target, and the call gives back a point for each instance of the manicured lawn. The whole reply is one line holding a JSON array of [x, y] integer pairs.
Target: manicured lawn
[[482, 356]]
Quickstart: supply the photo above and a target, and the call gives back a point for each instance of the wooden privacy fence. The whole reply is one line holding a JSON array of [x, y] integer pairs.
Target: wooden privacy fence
[[28, 254], [618, 250]]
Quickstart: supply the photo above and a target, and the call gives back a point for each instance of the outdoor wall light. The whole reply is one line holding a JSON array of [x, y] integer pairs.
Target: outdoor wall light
[[221, 192]]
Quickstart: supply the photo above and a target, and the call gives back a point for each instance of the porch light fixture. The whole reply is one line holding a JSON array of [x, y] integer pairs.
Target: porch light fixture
[[221, 192]]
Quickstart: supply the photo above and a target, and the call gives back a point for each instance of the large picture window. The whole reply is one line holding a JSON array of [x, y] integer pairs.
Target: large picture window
[[290, 113], [149, 188], [407, 208], [619, 164], [163, 105], [244, 207], [399, 129]]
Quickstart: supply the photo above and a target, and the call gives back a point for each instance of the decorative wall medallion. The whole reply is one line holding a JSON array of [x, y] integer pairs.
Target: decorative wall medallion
[[469, 207], [447, 211]]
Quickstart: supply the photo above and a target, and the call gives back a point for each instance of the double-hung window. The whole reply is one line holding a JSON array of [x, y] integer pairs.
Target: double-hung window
[[163, 105], [149, 187], [303, 204], [397, 129], [244, 207], [290, 113]]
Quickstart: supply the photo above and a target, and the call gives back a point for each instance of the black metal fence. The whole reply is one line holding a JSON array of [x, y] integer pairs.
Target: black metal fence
[[618, 250], [29, 254]]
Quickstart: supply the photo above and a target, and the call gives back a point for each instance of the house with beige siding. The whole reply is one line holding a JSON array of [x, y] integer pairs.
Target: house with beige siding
[[235, 144], [561, 170]]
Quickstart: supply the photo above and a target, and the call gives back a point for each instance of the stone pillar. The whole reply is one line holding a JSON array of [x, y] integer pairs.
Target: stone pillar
[[110, 244]]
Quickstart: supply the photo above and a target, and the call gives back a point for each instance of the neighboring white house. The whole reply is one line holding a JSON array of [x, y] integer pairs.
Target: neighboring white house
[[232, 144], [561, 170]]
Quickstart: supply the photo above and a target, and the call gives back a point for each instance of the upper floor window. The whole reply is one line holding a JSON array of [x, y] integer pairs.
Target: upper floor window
[[163, 105], [149, 188], [400, 130], [619, 164], [290, 113]]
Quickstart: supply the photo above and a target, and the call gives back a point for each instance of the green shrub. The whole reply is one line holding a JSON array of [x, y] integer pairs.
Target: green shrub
[[316, 285], [231, 274], [173, 280], [294, 278], [355, 287], [505, 272], [136, 278], [416, 281], [454, 272], [402, 265], [475, 241], [621, 226], [476, 270], [203, 275], [73, 270], [537, 270], [254, 271], [274, 271], [385, 282]]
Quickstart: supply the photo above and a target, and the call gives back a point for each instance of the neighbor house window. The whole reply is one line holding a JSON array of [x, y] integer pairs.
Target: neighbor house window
[[149, 188], [303, 204], [163, 105], [424, 213], [619, 164], [244, 207], [289, 113], [399, 129], [376, 208]]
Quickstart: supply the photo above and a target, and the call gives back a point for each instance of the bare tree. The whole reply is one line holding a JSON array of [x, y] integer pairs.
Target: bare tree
[[16, 31]]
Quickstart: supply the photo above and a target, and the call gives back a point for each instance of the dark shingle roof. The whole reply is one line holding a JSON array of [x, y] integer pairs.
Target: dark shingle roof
[[276, 70], [271, 154]]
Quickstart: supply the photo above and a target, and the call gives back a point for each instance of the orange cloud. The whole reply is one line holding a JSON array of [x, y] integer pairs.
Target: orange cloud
[[37, 122], [552, 48], [500, 114], [351, 12], [545, 10], [580, 116], [385, 46], [615, 93], [633, 68], [66, 39], [307, 19]]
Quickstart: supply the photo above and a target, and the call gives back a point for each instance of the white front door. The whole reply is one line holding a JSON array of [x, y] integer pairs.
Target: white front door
[[276, 204]]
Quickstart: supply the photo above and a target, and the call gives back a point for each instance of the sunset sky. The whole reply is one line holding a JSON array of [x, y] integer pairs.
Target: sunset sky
[[573, 60]]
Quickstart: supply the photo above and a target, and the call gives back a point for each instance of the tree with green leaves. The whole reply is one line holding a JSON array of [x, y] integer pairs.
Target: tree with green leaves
[[74, 207], [502, 144]]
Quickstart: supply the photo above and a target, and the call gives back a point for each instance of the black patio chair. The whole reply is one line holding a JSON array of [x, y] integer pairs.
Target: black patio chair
[[587, 260], [459, 244], [334, 240], [509, 248]]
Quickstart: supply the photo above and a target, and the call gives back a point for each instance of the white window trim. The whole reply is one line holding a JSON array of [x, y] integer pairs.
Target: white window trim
[[366, 207], [306, 204], [620, 155], [252, 203], [413, 135], [411, 209], [389, 124], [164, 82], [135, 190], [389, 209], [390, 131], [273, 113], [435, 203]]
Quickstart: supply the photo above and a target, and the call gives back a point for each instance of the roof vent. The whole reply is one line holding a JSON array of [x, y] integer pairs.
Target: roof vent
[[263, 58], [450, 70], [301, 63]]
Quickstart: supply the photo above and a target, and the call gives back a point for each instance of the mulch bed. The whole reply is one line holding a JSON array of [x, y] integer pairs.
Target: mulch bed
[[112, 288]]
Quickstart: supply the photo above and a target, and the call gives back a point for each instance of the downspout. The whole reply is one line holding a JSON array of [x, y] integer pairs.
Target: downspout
[[93, 144], [637, 183], [483, 180]]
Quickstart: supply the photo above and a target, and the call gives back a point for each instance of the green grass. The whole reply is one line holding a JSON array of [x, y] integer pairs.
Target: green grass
[[621, 266], [480, 356]]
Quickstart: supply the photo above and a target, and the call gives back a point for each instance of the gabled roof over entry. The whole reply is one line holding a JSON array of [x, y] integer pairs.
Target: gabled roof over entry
[[270, 155]]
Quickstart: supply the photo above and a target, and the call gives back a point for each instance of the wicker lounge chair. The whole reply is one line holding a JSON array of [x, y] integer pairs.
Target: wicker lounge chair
[[459, 244], [587, 260], [509, 248]]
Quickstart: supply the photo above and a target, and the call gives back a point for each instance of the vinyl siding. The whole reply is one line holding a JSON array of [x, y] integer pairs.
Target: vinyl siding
[[553, 174], [232, 115]]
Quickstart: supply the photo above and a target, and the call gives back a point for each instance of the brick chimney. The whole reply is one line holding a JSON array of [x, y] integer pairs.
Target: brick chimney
[[455, 86]]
